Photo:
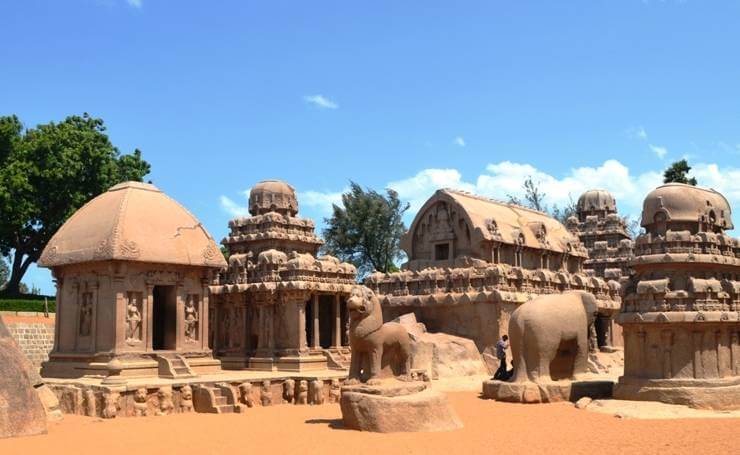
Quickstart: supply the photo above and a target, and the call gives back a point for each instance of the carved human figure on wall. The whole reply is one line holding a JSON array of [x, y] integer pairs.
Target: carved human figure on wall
[[317, 389], [302, 397], [245, 394], [86, 314], [288, 390], [133, 319], [191, 320], [166, 406], [335, 391], [265, 394], [186, 399], [110, 405], [141, 408]]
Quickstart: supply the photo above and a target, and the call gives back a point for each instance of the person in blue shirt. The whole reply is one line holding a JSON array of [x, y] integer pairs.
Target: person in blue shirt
[[501, 346]]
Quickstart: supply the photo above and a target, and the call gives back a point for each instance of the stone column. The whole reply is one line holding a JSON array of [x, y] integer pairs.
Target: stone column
[[146, 318], [337, 322], [78, 304], [120, 327], [203, 315], [302, 342], [179, 318], [315, 311], [94, 318], [59, 281]]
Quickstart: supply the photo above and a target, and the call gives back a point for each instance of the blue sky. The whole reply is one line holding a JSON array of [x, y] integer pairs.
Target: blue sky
[[412, 95]]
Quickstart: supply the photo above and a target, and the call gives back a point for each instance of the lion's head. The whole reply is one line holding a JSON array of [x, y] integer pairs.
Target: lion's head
[[364, 311]]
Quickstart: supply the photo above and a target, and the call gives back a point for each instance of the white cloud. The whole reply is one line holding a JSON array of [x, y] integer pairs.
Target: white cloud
[[459, 141], [637, 132], [498, 180], [321, 102], [321, 202], [660, 151], [232, 208], [134, 3]]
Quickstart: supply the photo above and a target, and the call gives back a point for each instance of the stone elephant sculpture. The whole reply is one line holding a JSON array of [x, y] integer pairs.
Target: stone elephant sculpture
[[549, 336]]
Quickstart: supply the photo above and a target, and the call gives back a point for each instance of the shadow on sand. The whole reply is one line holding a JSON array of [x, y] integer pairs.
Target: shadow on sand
[[336, 424]]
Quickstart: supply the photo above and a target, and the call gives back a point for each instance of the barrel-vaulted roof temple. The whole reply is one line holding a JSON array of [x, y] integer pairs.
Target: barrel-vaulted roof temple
[[473, 260], [152, 318]]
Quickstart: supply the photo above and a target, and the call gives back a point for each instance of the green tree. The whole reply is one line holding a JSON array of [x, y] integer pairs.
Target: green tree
[[3, 272], [366, 230], [48, 172], [679, 172], [535, 198]]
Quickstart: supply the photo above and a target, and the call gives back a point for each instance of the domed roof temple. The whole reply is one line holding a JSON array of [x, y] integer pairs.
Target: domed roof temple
[[604, 234], [681, 311], [473, 260], [132, 269], [278, 306]]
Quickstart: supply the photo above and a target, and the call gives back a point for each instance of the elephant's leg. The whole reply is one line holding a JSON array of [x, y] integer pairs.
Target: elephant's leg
[[545, 355], [580, 365]]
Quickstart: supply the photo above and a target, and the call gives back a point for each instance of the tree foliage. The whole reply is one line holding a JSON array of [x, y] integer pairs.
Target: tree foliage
[[48, 172], [535, 198], [679, 172], [4, 271], [366, 230]]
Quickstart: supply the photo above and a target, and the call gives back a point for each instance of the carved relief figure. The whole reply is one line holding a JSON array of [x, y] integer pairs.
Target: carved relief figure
[[288, 390], [335, 391], [110, 403], [191, 319], [166, 406], [140, 404], [302, 393], [265, 394], [133, 317], [86, 314], [369, 339], [245, 394], [186, 399], [90, 404], [317, 388]]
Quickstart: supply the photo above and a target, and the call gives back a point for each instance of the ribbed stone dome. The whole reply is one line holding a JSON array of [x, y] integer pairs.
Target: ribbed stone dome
[[273, 196], [132, 221], [681, 203], [596, 201]]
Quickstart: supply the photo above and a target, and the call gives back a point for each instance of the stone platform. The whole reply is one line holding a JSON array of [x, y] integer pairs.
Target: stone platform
[[397, 406], [718, 393], [215, 392], [547, 392]]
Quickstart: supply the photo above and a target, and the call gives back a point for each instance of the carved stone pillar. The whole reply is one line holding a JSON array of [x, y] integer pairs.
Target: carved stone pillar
[[94, 317], [146, 319], [302, 342], [337, 322], [180, 316], [315, 314], [118, 292], [59, 282]]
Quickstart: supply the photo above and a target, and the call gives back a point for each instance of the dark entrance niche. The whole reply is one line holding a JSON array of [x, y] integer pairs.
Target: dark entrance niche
[[326, 320], [164, 318], [602, 325], [441, 251]]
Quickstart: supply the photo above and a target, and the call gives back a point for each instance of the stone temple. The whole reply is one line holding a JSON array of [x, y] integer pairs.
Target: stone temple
[[132, 269], [474, 260], [604, 234], [279, 306], [681, 313]]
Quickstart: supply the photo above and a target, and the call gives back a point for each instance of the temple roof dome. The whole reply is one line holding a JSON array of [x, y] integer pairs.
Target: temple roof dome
[[273, 196], [596, 200], [681, 203], [132, 221]]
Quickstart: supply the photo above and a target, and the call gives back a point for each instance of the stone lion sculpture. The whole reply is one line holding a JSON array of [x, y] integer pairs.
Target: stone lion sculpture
[[373, 343], [549, 336]]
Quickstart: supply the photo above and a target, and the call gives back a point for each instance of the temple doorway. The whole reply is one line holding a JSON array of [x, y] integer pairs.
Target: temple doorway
[[326, 320], [602, 325], [164, 318]]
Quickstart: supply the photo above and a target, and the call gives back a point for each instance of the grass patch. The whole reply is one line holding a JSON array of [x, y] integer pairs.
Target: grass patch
[[30, 303]]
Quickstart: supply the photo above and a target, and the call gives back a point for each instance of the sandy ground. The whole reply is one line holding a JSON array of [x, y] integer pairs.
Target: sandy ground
[[490, 427]]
